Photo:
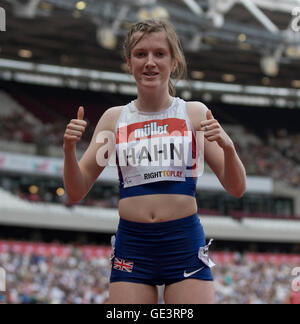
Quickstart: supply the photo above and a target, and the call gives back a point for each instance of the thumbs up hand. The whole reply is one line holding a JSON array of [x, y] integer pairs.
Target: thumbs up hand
[[80, 113], [75, 129], [214, 132]]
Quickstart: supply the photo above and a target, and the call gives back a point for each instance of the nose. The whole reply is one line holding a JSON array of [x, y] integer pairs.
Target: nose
[[150, 61]]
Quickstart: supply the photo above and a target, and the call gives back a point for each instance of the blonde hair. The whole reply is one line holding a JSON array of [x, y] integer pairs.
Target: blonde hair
[[153, 26]]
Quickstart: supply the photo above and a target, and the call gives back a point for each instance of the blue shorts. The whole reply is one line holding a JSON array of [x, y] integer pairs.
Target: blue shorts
[[160, 253]]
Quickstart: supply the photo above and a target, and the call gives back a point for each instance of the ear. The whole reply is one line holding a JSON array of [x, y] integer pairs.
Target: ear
[[174, 66], [129, 65]]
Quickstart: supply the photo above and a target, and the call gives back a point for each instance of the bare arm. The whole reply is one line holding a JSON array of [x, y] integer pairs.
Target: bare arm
[[234, 175], [220, 154], [80, 177], [219, 151], [73, 178], [227, 166]]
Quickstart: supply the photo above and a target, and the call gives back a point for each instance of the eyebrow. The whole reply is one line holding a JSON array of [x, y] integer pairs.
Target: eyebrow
[[156, 49]]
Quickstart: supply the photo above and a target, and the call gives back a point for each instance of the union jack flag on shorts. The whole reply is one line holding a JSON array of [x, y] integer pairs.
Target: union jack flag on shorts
[[120, 264]]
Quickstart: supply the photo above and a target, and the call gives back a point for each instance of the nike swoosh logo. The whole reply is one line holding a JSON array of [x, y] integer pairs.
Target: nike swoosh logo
[[186, 275]]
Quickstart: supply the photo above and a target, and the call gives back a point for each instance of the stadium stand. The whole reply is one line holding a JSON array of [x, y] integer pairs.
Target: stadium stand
[[68, 274]]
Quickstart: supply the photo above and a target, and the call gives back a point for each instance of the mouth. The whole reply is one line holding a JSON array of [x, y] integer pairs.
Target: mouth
[[150, 74]]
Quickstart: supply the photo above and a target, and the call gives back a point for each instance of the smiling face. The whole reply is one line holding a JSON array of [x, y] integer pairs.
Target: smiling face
[[150, 61]]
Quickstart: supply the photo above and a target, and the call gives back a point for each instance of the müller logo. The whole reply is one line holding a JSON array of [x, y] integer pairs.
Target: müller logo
[[151, 130], [2, 20]]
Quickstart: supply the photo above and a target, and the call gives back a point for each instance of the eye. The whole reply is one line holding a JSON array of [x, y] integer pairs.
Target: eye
[[160, 54], [140, 54]]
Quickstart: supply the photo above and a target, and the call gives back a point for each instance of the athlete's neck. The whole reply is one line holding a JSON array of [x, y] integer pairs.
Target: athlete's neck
[[153, 102]]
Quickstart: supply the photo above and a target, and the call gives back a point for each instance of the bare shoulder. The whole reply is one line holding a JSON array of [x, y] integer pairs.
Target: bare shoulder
[[197, 112], [197, 107], [114, 112], [110, 117]]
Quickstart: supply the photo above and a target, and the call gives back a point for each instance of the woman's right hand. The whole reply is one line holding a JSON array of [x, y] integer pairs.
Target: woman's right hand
[[74, 130]]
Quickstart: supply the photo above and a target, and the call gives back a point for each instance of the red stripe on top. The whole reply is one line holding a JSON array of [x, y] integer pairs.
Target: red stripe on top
[[176, 127]]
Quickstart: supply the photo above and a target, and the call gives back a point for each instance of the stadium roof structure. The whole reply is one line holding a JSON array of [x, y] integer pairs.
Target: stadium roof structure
[[232, 42]]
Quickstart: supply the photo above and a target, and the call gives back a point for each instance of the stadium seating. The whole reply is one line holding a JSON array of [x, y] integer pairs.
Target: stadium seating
[[49, 273]]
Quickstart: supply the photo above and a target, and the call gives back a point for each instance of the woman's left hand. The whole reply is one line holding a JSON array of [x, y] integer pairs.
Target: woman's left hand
[[213, 131]]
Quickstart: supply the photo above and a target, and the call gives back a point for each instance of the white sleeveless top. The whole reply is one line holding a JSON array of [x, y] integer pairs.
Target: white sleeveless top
[[156, 152]]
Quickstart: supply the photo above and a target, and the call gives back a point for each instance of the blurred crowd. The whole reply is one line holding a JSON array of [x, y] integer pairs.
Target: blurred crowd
[[32, 279], [16, 127], [247, 282], [277, 156], [77, 279]]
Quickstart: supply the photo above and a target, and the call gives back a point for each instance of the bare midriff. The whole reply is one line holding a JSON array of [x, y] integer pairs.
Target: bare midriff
[[157, 208]]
